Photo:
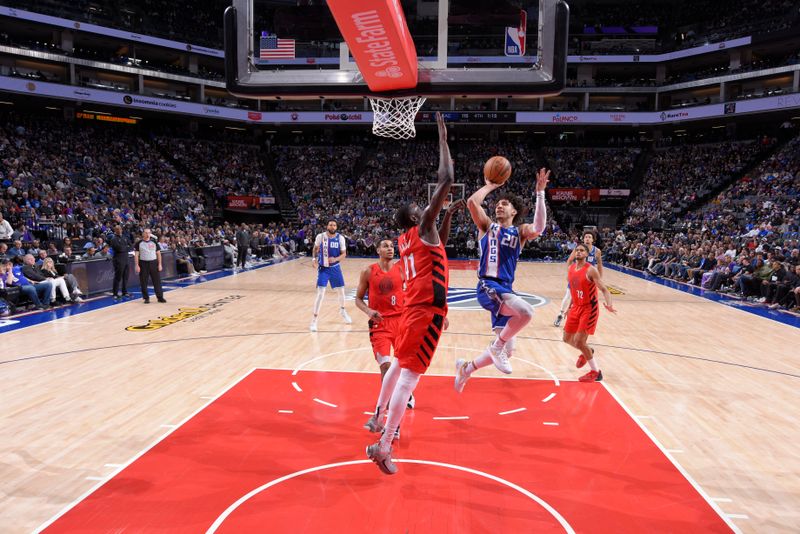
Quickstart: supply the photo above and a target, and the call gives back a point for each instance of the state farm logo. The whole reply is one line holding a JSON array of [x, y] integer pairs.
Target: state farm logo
[[617, 117], [390, 72], [565, 118], [675, 115], [254, 115], [373, 43]]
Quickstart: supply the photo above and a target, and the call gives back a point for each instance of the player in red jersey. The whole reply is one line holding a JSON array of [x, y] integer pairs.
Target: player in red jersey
[[384, 284], [426, 274], [584, 279]]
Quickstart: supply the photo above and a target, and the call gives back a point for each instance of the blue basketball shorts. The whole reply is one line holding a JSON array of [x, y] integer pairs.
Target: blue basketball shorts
[[332, 275], [490, 297]]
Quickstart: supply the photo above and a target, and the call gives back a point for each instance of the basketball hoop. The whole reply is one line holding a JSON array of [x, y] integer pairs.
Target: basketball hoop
[[394, 117]]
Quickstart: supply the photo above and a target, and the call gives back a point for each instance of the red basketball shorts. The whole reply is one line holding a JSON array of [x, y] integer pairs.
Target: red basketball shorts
[[384, 335], [582, 319], [421, 329]]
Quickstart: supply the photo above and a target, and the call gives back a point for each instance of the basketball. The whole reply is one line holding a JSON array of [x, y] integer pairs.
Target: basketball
[[497, 170]]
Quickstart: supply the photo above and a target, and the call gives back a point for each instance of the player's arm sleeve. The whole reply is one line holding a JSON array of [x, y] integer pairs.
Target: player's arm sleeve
[[540, 214]]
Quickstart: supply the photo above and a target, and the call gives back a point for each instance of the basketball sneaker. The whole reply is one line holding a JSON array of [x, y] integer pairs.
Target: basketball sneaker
[[313, 326], [396, 435], [592, 376], [374, 424], [500, 358], [558, 320], [411, 402], [461, 375], [382, 459], [346, 317], [582, 360]]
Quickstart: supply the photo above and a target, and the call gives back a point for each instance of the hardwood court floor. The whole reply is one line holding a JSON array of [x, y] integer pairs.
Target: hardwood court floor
[[714, 385]]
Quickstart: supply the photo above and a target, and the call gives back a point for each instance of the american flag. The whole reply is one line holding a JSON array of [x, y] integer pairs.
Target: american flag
[[274, 48]]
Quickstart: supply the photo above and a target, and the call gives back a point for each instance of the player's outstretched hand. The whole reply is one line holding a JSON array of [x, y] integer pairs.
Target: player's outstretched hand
[[375, 316], [542, 177], [610, 307], [491, 184], [458, 205], [442, 127]]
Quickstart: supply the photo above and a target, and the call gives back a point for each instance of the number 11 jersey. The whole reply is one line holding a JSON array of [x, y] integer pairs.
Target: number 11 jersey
[[425, 269]]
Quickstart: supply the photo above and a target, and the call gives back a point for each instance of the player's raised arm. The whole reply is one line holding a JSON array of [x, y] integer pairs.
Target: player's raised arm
[[594, 276], [363, 285], [599, 257], [475, 205], [444, 229], [445, 176], [529, 232]]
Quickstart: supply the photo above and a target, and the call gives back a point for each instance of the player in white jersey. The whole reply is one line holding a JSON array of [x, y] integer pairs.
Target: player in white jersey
[[330, 248], [501, 243], [595, 258]]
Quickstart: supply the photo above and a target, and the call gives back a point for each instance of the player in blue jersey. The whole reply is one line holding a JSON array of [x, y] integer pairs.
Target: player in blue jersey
[[500, 244], [330, 248], [595, 258]]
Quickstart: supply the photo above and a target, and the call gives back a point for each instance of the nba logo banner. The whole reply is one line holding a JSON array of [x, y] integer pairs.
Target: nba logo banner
[[515, 37]]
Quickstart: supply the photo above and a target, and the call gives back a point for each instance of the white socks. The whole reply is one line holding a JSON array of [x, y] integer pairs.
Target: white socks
[[340, 291], [593, 364], [397, 405], [387, 386], [318, 302]]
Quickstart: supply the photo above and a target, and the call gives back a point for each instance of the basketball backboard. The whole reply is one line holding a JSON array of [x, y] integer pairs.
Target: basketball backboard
[[463, 47]]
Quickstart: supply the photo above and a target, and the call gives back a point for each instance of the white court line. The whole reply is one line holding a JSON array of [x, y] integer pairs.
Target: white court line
[[285, 411], [678, 466], [512, 411], [369, 413], [232, 508], [95, 478], [548, 423], [738, 516], [139, 455], [721, 499], [294, 384], [325, 403], [549, 397], [546, 370], [473, 377], [454, 418]]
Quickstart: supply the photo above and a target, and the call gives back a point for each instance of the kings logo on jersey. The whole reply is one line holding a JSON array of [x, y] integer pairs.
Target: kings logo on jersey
[[465, 298]]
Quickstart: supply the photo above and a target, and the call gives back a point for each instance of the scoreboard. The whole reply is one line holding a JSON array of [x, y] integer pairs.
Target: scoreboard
[[469, 116]]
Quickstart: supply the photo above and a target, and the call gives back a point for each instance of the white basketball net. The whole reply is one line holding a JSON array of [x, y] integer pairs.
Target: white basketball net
[[394, 117]]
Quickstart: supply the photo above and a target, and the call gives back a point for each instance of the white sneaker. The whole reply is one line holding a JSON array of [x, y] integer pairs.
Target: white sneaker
[[500, 359], [313, 326], [558, 320], [346, 317], [461, 375], [77, 299]]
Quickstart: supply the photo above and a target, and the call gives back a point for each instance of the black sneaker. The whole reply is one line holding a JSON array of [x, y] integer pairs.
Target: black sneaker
[[115, 297], [147, 301], [161, 300]]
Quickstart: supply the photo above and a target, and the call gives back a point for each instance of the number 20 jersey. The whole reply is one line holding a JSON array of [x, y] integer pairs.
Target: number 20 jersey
[[500, 248]]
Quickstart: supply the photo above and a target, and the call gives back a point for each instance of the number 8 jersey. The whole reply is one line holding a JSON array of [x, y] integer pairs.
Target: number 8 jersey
[[500, 248], [425, 269]]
